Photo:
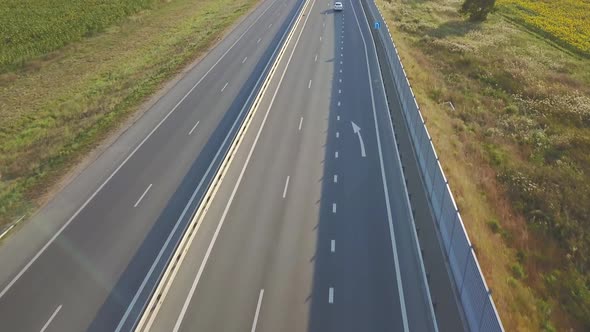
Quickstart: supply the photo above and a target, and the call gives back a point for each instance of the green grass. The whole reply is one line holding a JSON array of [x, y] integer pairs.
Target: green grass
[[515, 150], [56, 108]]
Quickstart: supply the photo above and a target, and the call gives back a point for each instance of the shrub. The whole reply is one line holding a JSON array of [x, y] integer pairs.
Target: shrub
[[477, 10], [494, 226], [518, 271]]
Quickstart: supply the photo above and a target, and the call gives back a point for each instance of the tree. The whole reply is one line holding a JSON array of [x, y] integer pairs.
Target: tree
[[477, 10]]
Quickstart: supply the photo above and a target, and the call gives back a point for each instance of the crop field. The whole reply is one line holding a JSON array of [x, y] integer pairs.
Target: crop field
[[567, 21], [30, 28]]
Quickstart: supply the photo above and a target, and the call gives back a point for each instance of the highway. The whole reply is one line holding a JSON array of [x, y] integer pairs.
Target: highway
[[308, 230], [79, 263]]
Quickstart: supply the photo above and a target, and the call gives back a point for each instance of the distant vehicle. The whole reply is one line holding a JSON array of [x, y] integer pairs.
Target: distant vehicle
[[338, 6]]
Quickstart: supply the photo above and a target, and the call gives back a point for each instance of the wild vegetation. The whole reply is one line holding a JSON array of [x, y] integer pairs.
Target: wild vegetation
[[57, 106], [515, 148]]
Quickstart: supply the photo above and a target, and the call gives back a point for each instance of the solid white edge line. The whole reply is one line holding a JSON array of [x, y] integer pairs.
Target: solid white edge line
[[50, 319], [385, 189], [286, 187], [239, 180], [331, 295], [257, 311], [142, 195], [193, 128], [59, 231]]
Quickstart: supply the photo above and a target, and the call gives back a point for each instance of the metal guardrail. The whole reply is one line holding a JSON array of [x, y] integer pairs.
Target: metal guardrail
[[473, 292]]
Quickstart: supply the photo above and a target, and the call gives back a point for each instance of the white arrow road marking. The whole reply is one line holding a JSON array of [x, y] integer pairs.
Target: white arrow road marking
[[357, 130]]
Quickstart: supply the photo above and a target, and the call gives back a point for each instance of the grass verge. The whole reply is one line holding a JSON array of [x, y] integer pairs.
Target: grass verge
[[55, 109], [513, 149]]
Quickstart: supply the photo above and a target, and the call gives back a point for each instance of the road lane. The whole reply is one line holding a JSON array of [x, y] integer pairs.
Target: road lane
[[83, 264]]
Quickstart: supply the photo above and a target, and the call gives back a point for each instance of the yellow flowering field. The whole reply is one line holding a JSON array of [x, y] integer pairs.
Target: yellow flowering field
[[566, 20]]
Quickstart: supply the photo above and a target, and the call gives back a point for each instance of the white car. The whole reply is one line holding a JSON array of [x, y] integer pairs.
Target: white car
[[338, 6]]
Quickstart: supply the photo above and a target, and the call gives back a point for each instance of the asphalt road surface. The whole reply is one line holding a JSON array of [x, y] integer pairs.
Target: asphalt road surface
[[79, 262], [309, 229]]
